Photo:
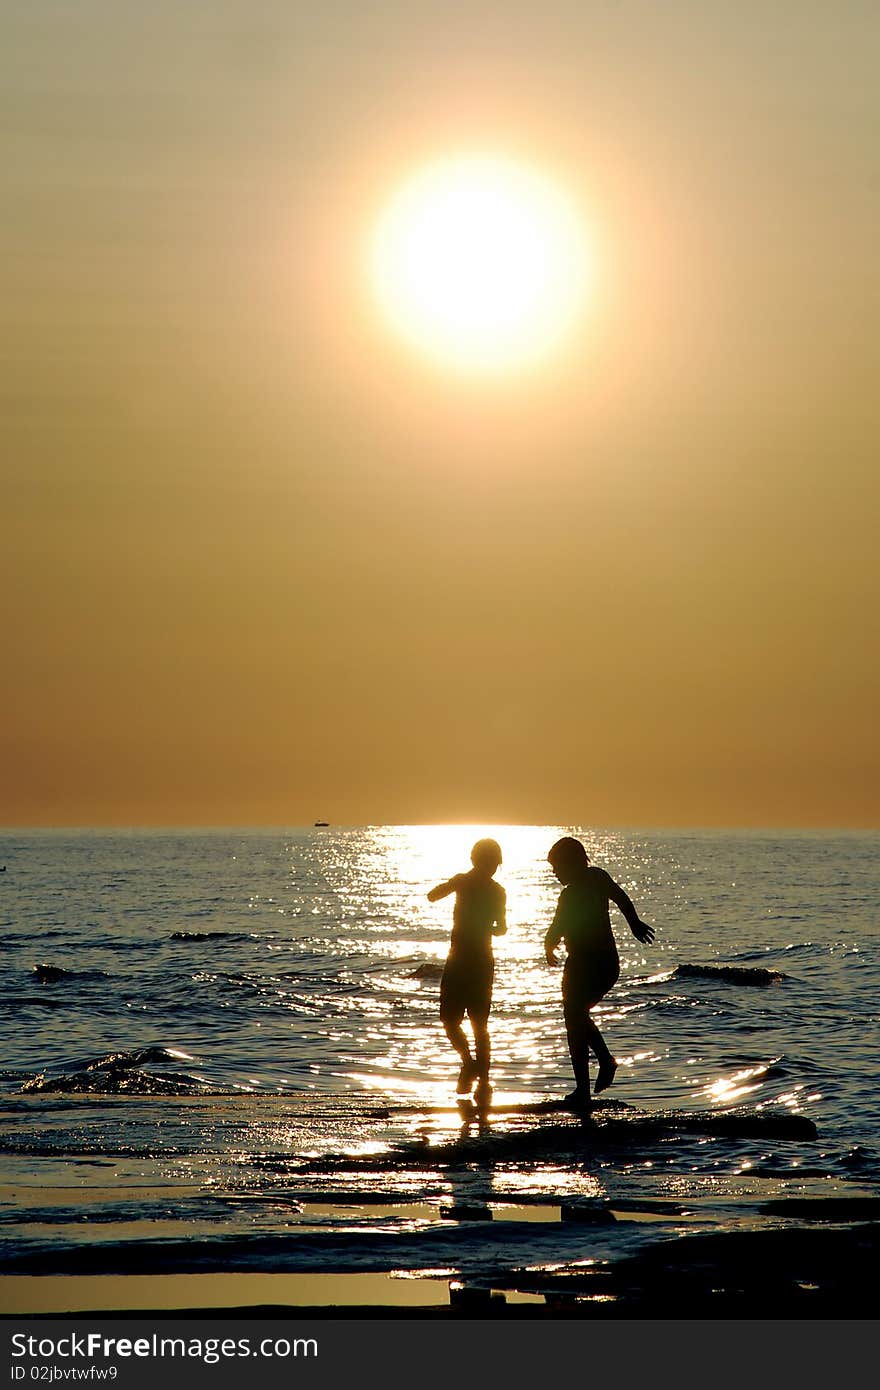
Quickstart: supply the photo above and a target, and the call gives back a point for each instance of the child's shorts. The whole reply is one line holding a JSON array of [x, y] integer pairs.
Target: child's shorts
[[587, 980], [466, 987]]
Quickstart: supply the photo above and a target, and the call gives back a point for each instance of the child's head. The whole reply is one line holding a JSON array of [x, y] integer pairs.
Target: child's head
[[567, 858], [486, 855]]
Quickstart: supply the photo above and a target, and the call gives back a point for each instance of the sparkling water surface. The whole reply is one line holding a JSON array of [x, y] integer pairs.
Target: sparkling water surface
[[286, 984]]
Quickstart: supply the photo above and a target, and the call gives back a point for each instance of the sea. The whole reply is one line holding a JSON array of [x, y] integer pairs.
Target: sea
[[222, 1058]]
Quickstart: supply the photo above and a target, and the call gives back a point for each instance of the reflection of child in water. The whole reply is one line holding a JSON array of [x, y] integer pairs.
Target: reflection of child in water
[[466, 986], [592, 964]]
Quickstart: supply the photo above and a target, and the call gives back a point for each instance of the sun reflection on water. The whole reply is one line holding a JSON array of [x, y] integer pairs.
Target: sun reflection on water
[[374, 884]]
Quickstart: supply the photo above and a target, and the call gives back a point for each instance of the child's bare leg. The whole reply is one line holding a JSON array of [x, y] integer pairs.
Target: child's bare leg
[[457, 1036], [482, 1046], [483, 1054], [607, 1063], [576, 1030]]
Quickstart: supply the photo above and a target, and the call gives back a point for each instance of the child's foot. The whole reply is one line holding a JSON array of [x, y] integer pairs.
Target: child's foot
[[466, 1077], [483, 1093], [605, 1075], [578, 1099]]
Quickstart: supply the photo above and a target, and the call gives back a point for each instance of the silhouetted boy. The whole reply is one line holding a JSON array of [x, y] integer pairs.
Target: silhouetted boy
[[466, 986], [592, 965]]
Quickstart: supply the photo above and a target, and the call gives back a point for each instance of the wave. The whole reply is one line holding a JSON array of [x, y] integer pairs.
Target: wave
[[612, 1127], [428, 970], [120, 1073], [49, 974], [52, 974], [731, 974]]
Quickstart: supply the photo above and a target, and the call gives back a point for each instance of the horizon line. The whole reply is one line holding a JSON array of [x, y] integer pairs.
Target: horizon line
[[286, 827]]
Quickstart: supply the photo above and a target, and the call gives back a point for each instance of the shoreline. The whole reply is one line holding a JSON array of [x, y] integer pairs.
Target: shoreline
[[799, 1271], [440, 1219]]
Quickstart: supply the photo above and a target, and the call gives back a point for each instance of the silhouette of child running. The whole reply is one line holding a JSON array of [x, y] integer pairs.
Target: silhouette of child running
[[592, 964], [466, 986]]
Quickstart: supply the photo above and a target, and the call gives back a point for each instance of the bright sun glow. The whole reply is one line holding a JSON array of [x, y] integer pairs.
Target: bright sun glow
[[481, 262]]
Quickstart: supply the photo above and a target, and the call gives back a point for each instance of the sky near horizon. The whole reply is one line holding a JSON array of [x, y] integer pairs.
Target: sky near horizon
[[264, 563]]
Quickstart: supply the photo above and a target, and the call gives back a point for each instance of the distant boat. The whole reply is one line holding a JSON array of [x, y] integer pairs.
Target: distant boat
[[321, 824]]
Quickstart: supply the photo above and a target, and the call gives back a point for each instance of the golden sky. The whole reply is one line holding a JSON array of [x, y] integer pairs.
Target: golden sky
[[263, 562]]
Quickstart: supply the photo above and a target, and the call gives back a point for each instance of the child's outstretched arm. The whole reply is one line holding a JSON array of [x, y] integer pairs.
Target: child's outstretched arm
[[443, 889], [640, 930]]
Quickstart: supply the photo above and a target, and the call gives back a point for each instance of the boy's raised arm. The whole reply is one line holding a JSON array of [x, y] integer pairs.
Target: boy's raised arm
[[443, 889]]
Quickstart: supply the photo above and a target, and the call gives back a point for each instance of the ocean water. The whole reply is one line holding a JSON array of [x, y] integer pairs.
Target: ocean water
[[230, 1055]]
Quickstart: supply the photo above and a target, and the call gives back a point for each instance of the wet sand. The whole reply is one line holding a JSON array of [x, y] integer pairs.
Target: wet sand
[[796, 1273]]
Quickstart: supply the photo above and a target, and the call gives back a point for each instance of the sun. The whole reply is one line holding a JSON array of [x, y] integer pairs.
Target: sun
[[481, 262]]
